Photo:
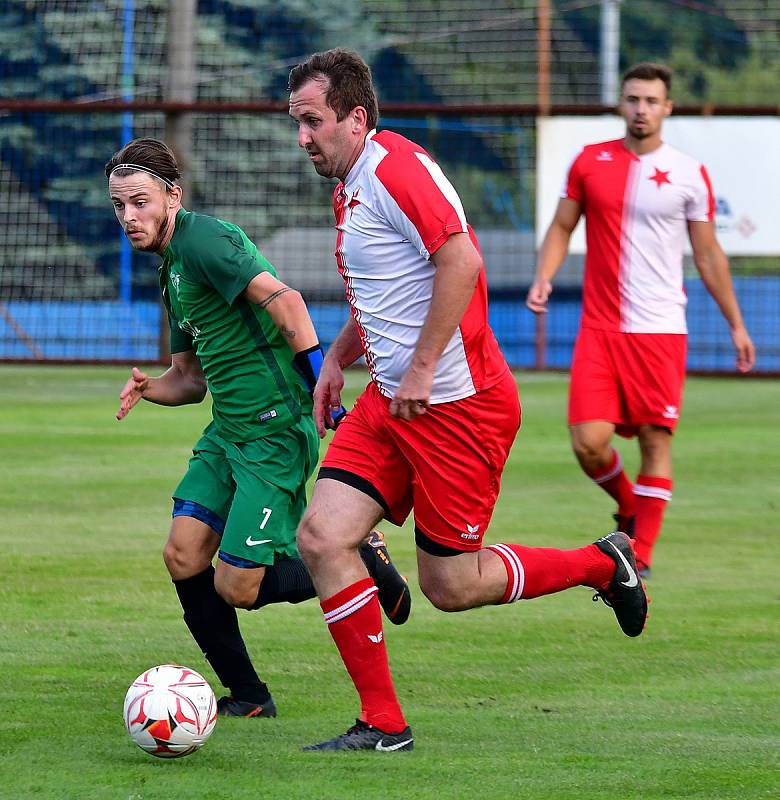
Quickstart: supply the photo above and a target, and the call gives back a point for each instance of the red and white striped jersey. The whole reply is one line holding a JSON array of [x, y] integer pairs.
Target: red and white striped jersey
[[394, 210], [636, 213]]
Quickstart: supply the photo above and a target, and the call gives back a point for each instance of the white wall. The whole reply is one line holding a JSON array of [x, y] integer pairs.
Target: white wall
[[741, 154]]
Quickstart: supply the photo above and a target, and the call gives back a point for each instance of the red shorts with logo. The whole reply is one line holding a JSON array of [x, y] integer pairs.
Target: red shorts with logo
[[446, 464], [630, 379]]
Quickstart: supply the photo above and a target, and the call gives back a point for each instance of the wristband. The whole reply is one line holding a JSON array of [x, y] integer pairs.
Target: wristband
[[308, 363]]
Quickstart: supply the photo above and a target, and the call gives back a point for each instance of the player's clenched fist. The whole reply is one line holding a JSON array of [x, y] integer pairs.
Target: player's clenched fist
[[538, 294]]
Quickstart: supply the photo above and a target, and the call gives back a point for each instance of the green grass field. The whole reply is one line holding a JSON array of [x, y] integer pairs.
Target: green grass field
[[543, 699]]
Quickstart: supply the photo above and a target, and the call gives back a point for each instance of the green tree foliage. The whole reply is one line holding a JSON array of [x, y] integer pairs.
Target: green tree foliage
[[721, 52]]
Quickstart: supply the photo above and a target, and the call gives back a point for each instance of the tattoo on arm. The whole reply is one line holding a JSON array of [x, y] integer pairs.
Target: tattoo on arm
[[271, 297], [287, 332]]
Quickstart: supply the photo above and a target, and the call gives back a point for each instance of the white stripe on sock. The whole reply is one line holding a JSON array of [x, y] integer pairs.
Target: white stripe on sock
[[614, 472], [351, 606], [515, 571], [652, 491]]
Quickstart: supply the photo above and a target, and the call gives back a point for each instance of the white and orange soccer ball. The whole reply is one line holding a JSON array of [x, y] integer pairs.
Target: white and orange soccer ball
[[170, 711]]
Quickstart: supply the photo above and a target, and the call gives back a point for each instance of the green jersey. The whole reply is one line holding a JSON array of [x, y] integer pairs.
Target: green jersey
[[248, 364]]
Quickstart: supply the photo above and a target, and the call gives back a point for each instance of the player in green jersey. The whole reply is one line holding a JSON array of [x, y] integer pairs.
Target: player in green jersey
[[242, 334]]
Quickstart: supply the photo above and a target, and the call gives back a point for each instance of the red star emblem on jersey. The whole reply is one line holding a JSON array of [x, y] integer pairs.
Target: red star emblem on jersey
[[660, 177], [354, 201]]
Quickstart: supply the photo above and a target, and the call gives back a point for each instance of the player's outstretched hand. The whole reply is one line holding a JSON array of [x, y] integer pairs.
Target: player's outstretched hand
[[746, 351], [537, 296], [132, 392]]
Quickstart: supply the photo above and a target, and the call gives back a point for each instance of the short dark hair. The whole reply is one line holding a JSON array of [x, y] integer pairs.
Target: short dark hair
[[349, 82], [649, 71], [152, 154]]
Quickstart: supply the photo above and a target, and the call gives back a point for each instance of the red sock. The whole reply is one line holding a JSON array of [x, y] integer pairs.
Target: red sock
[[355, 623], [536, 571], [652, 495], [614, 481]]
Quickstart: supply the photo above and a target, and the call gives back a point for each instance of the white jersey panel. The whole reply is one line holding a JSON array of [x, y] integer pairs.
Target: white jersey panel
[[389, 277], [665, 190]]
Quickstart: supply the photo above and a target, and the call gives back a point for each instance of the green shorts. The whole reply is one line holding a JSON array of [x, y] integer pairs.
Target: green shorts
[[257, 489]]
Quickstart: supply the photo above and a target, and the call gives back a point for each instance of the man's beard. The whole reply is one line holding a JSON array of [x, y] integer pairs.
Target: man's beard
[[161, 226], [639, 133]]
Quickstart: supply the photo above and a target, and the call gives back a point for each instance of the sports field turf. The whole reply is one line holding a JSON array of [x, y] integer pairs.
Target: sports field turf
[[544, 699]]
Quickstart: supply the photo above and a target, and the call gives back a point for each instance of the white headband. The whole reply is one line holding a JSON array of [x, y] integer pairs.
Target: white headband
[[168, 183]]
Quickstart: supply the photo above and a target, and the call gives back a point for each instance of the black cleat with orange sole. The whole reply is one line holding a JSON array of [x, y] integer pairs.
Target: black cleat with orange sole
[[230, 707], [394, 595]]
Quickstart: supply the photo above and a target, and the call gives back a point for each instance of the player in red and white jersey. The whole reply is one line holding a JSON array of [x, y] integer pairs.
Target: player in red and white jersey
[[393, 212], [641, 199], [633, 278], [432, 431]]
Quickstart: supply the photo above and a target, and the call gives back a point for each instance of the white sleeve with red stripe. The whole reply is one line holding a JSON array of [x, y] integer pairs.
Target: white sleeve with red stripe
[[421, 204], [701, 205]]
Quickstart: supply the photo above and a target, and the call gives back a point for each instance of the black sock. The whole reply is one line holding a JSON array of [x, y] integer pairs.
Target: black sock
[[287, 581], [214, 626]]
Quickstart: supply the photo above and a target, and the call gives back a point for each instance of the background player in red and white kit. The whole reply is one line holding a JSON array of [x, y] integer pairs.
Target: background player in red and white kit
[[434, 427], [640, 198]]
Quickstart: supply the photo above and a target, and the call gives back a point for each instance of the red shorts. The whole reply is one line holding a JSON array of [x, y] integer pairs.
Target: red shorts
[[630, 379], [446, 464]]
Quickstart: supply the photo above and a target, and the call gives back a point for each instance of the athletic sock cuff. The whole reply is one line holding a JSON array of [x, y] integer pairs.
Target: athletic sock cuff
[[514, 571], [612, 470], [348, 600], [195, 582], [652, 486]]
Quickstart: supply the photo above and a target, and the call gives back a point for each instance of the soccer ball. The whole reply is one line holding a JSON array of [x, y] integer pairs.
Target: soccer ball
[[170, 711]]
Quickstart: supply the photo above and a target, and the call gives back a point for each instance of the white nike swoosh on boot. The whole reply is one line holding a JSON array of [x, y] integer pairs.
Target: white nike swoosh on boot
[[632, 577], [391, 747]]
